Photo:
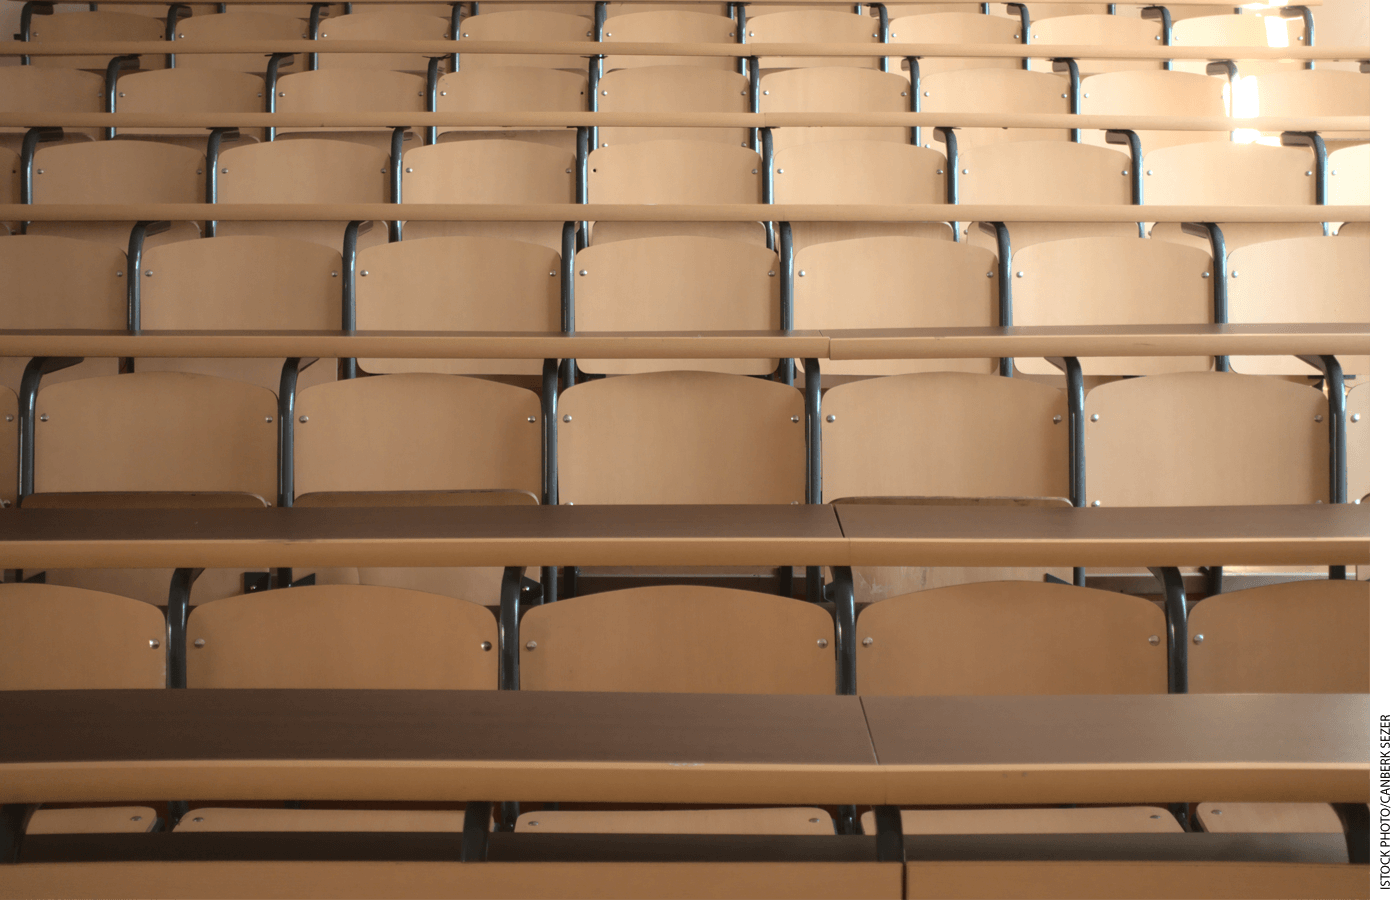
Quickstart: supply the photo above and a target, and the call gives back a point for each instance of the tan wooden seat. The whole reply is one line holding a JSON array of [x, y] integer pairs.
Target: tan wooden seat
[[352, 90], [833, 89], [1311, 92], [117, 172], [48, 90], [673, 89], [533, 24], [860, 172], [1009, 441], [651, 24], [1304, 279], [1239, 29], [1349, 175], [253, 23], [1202, 438], [244, 819], [342, 636], [512, 89], [1359, 442], [519, 172], [671, 171], [1113, 281], [418, 439], [381, 25], [995, 90], [1155, 93], [93, 820], [813, 26], [156, 432], [101, 25], [199, 91], [1296, 637], [1046, 172], [1097, 29], [1078, 820], [681, 437], [677, 283], [307, 170], [54, 282], [680, 638], [493, 284], [903, 282], [956, 28], [782, 820]]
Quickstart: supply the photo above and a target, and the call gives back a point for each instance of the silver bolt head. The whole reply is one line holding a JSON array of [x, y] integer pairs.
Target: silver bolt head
[[821, 642], [304, 419], [155, 644], [1355, 417], [568, 418], [1205, 274], [199, 818], [831, 418], [814, 821], [1217, 812], [1154, 640], [44, 418], [584, 272], [531, 645], [1198, 639], [1317, 418], [149, 273], [780, 171], [1098, 502], [409, 171], [199, 642], [530, 419], [532, 823], [801, 273], [223, 171], [965, 172], [1094, 417], [135, 818], [486, 645], [1056, 419], [1235, 274], [268, 419], [794, 418], [1020, 274], [867, 642], [364, 272]]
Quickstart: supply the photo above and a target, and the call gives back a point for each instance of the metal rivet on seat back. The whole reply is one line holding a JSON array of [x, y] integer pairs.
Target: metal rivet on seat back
[[831, 418], [794, 418], [1355, 417], [530, 419], [1094, 417], [867, 642], [1056, 420], [304, 419], [486, 645], [568, 418], [44, 418], [530, 645], [150, 272], [1154, 640], [199, 642], [155, 644], [364, 272], [821, 642], [1097, 502], [1317, 418], [1198, 639]]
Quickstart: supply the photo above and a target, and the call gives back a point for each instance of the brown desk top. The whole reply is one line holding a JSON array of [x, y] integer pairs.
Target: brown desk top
[[1048, 749], [1134, 536], [1101, 340], [434, 745], [423, 536]]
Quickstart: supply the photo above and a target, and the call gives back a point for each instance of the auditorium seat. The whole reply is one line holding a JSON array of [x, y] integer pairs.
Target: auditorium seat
[[492, 284], [677, 283], [902, 282], [662, 89], [860, 172], [489, 171], [196, 91], [419, 440], [995, 91], [1303, 279], [105, 25], [1349, 176], [25, 89], [1359, 442], [834, 89], [681, 437], [352, 90], [1114, 280], [1156, 93], [532, 24], [244, 819], [803, 820], [1072, 820], [512, 89], [381, 25], [1313, 92], [306, 170], [685, 171], [1206, 439], [1094, 30], [117, 172], [1239, 29], [977, 439], [1300, 637], [956, 28], [61, 638], [679, 26], [256, 23], [814, 26]]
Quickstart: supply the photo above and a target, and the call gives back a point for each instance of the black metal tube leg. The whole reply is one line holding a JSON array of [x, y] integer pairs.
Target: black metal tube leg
[[889, 834], [476, 831], [14, 818], [511, 580], [1356, 825]]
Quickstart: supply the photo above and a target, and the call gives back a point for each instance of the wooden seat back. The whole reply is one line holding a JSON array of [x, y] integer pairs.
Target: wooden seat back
[[63, 638]]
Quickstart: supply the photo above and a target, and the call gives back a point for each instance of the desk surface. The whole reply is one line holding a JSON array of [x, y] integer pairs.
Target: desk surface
[[686, 535], [685, 748], [1132, 536]]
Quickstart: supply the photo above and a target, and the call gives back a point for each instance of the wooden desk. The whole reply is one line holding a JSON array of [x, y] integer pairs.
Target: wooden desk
[[1337, 534], [684, 748]]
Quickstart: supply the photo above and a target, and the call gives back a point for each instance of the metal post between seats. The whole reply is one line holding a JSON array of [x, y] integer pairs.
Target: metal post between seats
[[740, 15], [889, 834], [114, 67], [348, 367], [916, 103], [568, 368], [27, 12], [1004, 367], [755, 104], [29, 146], [786, 296], [766, 182], [883, 35], [509, 653], [317, 10], [1319, 148], [1078, 480], [396, 180], [1161, 12], [34, 371], [274, 63], [431, 135], [1174, 593], [458, 11], [1075, 94], [211, 171], [1309, 27], [286, 443], [1025, 29], [173, 15], [812, 399], [1220, 311]]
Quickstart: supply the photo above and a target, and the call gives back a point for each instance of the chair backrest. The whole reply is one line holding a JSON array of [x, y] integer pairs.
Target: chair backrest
[[9, 177], [250, 24], [814, 26], [1206, 438], [342, 636], [156, 432], [1359, 442], [60, 282], [47, 90], [94, 25], [118, 172], [1349, 176], [1303, 279], [1228, 174], [492, 284], [393, 24], [1011, 637], [526, 25], [674, 172], [64, 638], [834, 89], [996, 90], [944, 434], [248, 282], [417, 432], [673, 89], [1114, 281], [511, 89], [488, 172], [904, 282], [671, 26], [1156, 92], [679, 638], [1097, 29], [1314, 92], [677, 283], [9, 447], [351, 89], [956, 28], [681, 437], [859, 172], [1238, 30], [197, 91], [1045, 172], [1300, 637]]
